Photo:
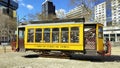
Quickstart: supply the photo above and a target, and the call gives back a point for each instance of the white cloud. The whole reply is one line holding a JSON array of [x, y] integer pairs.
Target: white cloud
[[20, 0], [15, 0], [61, 13], [22, 4], [30, 7]]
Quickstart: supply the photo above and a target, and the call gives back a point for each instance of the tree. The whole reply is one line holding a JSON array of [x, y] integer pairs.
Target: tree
[[39, 16], [32, 17], [61, 13], [42, 16], [8, 27]]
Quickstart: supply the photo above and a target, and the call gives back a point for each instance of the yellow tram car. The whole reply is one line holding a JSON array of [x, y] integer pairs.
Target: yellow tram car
[[65, 36]]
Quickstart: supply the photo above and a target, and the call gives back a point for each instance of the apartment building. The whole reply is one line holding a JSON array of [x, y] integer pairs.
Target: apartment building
[[100, 13], [48, 10], [109, 10], [115, 6], [79, 12]]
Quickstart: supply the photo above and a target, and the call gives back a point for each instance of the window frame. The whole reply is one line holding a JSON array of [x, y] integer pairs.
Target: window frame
[[32, 35], [66, 38], [100, 31], [58, 35], [39, 32], [75, 31], [44, 39]]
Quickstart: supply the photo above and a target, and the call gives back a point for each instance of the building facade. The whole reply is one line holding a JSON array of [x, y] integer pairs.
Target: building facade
[[48, 10], [109, 13], [115, 6], [112, 33], [100, 13], [79, 12], [8, 7], [7, 14]]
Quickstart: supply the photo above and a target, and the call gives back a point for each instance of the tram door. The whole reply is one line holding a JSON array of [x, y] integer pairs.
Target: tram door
[[21, 39], [90, 37]]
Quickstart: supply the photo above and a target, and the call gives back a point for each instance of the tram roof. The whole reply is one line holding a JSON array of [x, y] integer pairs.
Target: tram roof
[[49, 24], [59, 21]]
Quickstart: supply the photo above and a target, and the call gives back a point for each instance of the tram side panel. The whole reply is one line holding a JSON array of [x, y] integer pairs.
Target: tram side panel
[[50, 45]]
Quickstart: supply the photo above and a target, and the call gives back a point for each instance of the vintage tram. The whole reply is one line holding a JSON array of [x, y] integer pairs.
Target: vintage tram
[[67, 36]]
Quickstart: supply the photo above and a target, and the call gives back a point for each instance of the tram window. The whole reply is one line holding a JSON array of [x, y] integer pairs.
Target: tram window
[[38, 36], [100, 35], [30, 35], [55, 35], [74, 35], [46, 35], [64, 35]]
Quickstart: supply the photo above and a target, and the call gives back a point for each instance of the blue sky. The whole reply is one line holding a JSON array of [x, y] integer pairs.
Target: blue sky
[[27, 7]]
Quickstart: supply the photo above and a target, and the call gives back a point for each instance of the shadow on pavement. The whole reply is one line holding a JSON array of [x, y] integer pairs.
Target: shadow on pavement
[[32, 56], [113, 58]]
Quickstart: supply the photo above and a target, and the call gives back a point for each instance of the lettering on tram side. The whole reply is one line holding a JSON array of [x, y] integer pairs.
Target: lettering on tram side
[[47, 46], [64, 46]]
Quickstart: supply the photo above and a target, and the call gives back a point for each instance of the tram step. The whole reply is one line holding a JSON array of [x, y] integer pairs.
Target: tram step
[[91, 52]]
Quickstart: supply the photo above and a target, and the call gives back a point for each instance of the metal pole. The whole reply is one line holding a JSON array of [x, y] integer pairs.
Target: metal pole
[[18, 20], [8, 5], [4, 48]]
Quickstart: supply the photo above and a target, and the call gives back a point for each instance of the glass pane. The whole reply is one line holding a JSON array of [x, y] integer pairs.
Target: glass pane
[[64, 35], [118, 37], [30, 35], [118, 34], [38, 36], [74, 35], [47, 35], [106, 35], [100, 35], [55, 35], [21, 34], [112, 37], [30, 30]]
